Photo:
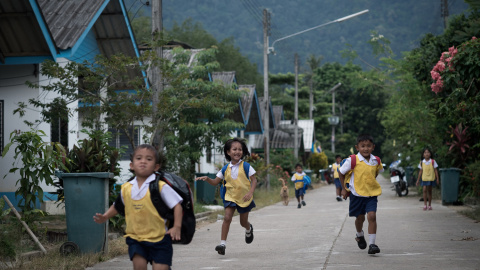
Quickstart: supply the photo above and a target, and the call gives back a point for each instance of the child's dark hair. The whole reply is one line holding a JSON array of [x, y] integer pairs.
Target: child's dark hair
[[337, 156], [365, 137], [298, 165], [429, 150], [145, 146], [228, 146]]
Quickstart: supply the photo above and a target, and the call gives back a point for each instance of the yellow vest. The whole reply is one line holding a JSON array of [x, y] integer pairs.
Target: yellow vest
[[299, 184], [364, 179], [428, 173], [236, 189], [335, 172], [142, 218]]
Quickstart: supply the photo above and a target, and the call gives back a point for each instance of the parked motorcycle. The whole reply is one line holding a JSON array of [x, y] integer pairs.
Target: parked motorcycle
[[398, 178]]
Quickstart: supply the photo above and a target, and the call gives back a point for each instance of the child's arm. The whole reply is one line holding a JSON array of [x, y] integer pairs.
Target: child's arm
[[436, 175], [175, 231], [253, 185], [342, 182], [101, 218], [420, 176], [212, 182]]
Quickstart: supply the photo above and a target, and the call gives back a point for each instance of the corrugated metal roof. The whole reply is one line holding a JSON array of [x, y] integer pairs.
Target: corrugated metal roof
[[227, 77], [20, 33], [278, 114], [67, 20], [251, 109], [271, 121]]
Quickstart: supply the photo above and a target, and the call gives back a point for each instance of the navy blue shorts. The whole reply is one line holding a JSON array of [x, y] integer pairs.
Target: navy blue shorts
[[362, 205], [159, 252], [337, 183], [240, 210], [299, 192], [429, 183]]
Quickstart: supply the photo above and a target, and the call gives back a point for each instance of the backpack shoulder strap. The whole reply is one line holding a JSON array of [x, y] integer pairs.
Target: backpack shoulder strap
[[433, 163], [246, 168], [353, 161], [157, 198], [378, 160]]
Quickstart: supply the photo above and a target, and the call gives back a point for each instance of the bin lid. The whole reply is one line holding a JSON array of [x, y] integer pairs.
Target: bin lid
[[450, 169], [62, 175]]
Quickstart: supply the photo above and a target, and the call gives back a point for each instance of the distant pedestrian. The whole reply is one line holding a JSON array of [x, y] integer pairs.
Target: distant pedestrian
[[299, 178], [358, 179], [147, 234], [429, 175], [338, 185], [238, 184]]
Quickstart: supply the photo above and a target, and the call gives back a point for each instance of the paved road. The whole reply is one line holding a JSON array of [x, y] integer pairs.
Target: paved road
[[321, 236]]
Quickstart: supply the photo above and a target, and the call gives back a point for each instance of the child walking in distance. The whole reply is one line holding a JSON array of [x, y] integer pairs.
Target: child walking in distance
[[147, 236], [358, 176], [428, 173], [338, 185], [297, 178], [238, 184]]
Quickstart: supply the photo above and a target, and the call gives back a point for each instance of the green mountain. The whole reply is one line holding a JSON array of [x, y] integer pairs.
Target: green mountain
[[401, 22]]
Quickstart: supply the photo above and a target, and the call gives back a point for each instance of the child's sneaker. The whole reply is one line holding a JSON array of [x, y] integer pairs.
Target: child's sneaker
[[373, 249], [303, 203], [430, 208], [425, 208], [339, 199], [220, 249], [249, 236], [362, 244], [299, 205]]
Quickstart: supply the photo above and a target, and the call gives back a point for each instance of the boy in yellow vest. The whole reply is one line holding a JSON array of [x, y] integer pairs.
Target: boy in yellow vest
[[363, 188], [338, 185], [297, 178], [147, 236]]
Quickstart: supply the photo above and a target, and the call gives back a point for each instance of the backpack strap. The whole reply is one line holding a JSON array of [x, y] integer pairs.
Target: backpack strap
[[353, 161], [378, 160], [246, 168], [119, 206], [157, 200]]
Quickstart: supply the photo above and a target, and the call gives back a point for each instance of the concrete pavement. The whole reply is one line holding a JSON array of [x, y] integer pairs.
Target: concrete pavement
[[321, 236]]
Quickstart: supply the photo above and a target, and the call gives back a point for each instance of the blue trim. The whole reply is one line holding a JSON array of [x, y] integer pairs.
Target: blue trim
[[259, 113], [90, 25], [43, 27], [13, 199], [23, 60], [132, 37], [271, 113], [210, 77]]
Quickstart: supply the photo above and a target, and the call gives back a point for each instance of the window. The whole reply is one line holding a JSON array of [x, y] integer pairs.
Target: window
[[59, 131], [120, 140], [2, 119], [209, 154]]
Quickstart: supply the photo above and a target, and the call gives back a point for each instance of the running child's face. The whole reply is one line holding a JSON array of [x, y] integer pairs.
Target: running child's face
[[235, 152], [339, 159], [299, 169], [365, 148], [427, 155], [144, 162]]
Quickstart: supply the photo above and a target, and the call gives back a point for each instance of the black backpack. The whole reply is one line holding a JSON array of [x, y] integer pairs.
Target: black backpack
[[183, 189]]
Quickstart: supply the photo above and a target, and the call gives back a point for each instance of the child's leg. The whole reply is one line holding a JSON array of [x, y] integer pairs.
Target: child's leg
[[244, 221], [226, 222], [139, 262], [338, 192], [429, 195], [359, 223], [372, 222], [158, 266], [425, 195]]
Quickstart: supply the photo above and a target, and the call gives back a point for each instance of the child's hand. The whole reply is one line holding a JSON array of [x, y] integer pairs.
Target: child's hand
[[247, 197], [418, 183], [99, 218], [174, 233], [203, 178], [344, 194]]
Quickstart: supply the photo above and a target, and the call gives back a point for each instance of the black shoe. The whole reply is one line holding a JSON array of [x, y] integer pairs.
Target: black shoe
[[299, 205], [362, 244], [303, 203], [339, 199], [220, 249], [373, 249], [249, 236]]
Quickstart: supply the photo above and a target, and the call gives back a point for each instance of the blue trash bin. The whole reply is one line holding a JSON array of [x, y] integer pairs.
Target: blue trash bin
[[449, 179]]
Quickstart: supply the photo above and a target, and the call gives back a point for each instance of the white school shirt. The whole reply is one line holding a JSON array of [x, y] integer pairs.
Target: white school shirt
[[234, 171], [435, 165], [293, 176], [347, 166]]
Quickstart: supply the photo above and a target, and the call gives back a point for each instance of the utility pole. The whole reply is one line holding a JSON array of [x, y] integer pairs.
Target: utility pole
[[444, 12], [266, 99], [333, 126], [157, 83], [295, 150], [310, 108]]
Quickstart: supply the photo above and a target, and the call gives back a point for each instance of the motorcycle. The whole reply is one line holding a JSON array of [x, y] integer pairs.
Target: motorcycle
[[398, 178]]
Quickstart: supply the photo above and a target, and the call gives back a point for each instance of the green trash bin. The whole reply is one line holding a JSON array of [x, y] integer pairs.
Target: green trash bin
[[449, 178], [85, 194], [309, 173], [204, 191], [409, 176], [322, 174]]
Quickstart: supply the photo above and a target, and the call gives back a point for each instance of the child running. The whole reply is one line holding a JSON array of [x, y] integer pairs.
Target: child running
[[428, 173], [364, 190], [298, 179], [238, 184], [147, 236], [338, 185]]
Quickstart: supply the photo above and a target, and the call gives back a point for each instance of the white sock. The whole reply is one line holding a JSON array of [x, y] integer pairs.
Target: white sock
[[360, 234], [372, 238], [223, 242], [249, 230]]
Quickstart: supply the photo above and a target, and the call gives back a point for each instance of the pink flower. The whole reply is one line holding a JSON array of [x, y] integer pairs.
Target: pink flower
[[440, 66], [444, 54], [473, 38], [435, 75], [452, 51], [437, 87]]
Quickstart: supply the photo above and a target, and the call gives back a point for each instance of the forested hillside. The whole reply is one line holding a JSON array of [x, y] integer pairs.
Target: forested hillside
[[401, 22]]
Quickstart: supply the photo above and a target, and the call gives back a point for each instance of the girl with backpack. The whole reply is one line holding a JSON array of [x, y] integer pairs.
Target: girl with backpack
[[238, 184], [428, 173]]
